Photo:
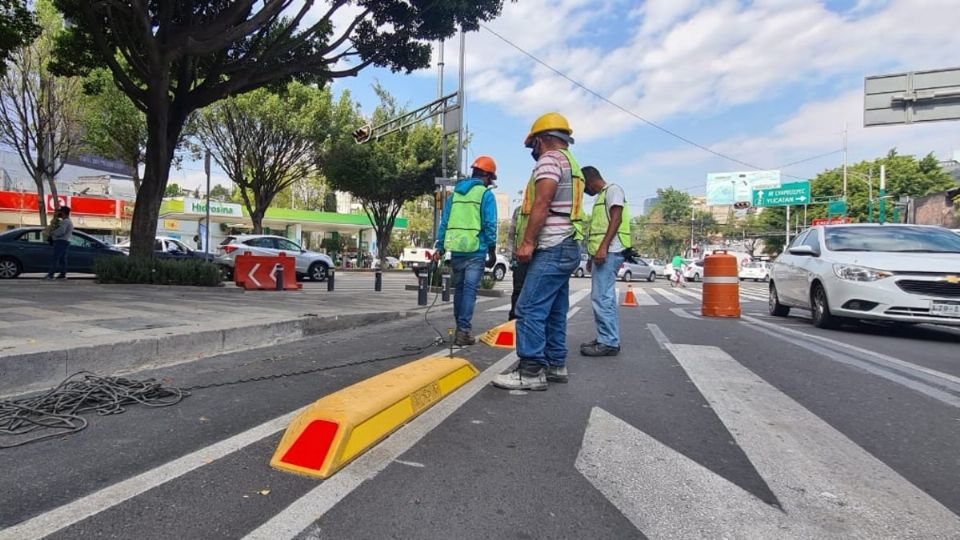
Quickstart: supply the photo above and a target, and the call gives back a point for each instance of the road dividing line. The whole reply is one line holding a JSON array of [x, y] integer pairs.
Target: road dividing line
[[662, 339], [826, 485], [680, 312], [84, 507]]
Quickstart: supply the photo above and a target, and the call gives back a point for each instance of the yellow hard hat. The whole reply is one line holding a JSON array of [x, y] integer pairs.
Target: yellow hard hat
[[549, 122]]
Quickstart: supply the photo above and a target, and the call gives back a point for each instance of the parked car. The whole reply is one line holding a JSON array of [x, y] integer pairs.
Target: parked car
[[165, 247], [755, 270], [582, 269], [640, 270], [24, 250], [660, 267], [309, 264], [391, 263], [693, 270], [416, 259], [902, 273]]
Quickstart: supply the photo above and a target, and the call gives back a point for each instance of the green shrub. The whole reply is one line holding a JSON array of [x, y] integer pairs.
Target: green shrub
[[487, 282], [151, 271]]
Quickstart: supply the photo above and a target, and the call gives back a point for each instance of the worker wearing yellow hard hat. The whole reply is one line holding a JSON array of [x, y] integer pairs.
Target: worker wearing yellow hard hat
[[468, 230], [548, 232]]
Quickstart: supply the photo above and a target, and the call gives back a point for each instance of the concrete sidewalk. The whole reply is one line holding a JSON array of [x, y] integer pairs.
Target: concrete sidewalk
[[49, 330]]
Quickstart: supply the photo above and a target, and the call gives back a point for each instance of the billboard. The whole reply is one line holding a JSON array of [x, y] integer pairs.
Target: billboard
[[916, 96], [729, 187]]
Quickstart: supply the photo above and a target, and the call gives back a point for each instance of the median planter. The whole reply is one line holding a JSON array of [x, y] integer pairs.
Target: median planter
[[151, 271], [493, 293]]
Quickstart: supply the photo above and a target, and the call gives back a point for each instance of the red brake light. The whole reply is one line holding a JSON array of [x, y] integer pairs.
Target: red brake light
[[428, 254], [229, 248]]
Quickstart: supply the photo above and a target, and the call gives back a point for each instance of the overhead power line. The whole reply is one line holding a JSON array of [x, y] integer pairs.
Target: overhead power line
[[650, 123]]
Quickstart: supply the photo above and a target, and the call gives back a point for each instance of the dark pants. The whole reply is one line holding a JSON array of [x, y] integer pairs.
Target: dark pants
[[519, 275], [59, 258]]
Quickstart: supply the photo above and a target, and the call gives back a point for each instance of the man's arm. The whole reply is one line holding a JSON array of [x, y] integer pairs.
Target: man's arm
[[616, 217], [442, 230], [545, 191], [488, 220]]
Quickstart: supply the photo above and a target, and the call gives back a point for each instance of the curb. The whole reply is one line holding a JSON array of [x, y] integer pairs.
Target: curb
[[33, 371]]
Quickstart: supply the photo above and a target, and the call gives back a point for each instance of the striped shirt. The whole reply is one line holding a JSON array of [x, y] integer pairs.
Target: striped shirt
[[553, 166]]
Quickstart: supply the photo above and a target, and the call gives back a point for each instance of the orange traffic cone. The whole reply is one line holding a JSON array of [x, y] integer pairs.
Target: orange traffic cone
[[629, 299]]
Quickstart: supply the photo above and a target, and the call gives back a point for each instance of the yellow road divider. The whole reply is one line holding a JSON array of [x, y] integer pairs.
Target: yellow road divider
[[339, 427], [503, 336]]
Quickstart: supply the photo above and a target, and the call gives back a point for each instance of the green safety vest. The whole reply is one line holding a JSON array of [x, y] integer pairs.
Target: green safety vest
[[599, 221], [464, 222], [576, 211]]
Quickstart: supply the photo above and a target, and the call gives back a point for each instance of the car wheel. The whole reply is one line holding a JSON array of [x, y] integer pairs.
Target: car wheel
[[820, 307], [499, 272], [226, 272], [318, 271], [627, 276], [9, 268], [773, 303], [652, 277], [696, 278], [766, 279], [578, 273]]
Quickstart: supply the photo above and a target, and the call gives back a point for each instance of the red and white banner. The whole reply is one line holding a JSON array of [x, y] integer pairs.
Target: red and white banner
[[831, 221]]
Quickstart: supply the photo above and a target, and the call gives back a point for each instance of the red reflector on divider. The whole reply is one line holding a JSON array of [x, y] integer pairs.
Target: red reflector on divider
[[311, 448], [505, 339]]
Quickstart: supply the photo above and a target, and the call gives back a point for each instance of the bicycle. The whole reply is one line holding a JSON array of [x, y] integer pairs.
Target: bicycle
[[677, 279]]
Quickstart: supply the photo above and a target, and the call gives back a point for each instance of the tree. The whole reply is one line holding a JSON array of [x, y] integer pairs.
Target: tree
[[219, 193], [173, 190], [39, 112], [174, 57], [330, 201], [112, 126], [266, 141], [386, 173], [419, 214], [673, 205], [17, 29]]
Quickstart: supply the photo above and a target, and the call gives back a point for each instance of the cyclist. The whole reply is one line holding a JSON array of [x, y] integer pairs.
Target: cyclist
[[677, 271]]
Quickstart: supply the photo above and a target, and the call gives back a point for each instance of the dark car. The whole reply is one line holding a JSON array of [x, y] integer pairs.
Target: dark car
[[165, 247], [25, 251]]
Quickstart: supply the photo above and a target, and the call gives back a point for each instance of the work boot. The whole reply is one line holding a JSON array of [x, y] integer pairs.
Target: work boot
[[522, 378], [599, 349], [587, 345], [557, 374], [463, 338]]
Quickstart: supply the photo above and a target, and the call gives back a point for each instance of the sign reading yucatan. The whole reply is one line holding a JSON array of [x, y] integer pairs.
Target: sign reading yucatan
[[198, 206], [797, 193]]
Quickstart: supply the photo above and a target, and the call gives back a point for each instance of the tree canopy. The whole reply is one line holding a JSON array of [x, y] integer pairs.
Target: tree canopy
[[17, 29]]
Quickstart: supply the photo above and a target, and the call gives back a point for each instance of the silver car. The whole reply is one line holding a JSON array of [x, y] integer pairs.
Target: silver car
[[901, 273], [310, 264]]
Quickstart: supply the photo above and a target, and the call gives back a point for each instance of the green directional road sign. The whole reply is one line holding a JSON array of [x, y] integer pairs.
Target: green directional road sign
[[837, 208], [797, 193]]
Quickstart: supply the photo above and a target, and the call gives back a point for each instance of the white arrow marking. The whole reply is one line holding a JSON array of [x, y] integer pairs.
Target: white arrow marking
[[252, 272], [801, 198], [828, 486], [760, 194]]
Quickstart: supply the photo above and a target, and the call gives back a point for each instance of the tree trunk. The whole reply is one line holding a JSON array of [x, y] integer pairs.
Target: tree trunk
[[163, 132], [41, 202], [136, 178], [257, 219]]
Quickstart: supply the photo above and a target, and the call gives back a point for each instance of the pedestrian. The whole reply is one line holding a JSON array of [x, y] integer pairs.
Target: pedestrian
[[61, 242], [548, 235], [468, 230], [609, 238], [517, 269]]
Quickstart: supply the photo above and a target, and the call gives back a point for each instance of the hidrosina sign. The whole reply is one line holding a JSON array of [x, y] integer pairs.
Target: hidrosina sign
[[199, 207]]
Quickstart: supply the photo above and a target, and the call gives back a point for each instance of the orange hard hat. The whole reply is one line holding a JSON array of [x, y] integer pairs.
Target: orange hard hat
[[486, 164]]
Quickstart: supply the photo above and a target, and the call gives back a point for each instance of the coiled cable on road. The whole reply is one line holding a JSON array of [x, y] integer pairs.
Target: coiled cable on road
[[57, 411]]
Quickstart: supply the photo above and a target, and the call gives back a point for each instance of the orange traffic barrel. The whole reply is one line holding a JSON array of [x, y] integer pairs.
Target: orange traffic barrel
[[721, 286]]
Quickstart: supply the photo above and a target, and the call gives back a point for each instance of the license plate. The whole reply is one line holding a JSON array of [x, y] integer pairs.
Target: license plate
[[945, 309]]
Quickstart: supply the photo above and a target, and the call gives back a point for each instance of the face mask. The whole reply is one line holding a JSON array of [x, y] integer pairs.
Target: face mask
[[535, 149]]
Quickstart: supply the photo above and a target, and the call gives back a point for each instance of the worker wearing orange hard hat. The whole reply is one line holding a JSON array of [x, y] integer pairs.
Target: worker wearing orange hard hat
[[549, 229], [468, 230]]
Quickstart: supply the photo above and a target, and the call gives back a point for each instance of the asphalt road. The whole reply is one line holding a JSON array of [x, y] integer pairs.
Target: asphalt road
[[750, 428]]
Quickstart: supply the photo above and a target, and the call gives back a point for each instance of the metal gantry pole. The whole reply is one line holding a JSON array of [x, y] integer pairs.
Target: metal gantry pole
[[883, 194], [206, 234], [461, 165], [844, 163], [438, 198]]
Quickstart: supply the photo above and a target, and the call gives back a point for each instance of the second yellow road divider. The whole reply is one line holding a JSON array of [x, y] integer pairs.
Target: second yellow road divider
[[339, 427]]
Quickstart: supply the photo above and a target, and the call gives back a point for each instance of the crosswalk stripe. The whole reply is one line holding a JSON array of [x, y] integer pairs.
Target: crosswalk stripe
[[687, 292], [643, 298], [671, 297]]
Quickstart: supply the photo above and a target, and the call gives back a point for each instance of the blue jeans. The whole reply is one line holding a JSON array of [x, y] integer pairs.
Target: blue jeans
[[467, 272], [603, 294], [59, 257], [542, 306]]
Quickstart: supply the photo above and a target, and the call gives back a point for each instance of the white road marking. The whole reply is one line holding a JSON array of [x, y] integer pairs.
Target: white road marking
[[680, 312], [662, 339], [94, 503], [671, 297], [505, 307], [410, 463], [695, 294], [643, 298], [828, 486], [572, 312], [575, 297]]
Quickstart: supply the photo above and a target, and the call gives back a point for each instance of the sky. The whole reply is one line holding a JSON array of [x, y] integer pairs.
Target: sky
[[765, 83]]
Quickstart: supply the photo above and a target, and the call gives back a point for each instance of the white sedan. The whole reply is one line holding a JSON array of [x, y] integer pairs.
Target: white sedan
[[757, 271], [639, 270], [900, 273]]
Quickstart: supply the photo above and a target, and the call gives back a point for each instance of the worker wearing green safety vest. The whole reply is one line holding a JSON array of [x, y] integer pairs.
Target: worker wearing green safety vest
[[468, 230], [549, 228], [607, 242]]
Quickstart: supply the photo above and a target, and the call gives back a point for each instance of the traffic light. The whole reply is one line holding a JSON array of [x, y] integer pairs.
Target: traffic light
[[362, 134], [741, 205]]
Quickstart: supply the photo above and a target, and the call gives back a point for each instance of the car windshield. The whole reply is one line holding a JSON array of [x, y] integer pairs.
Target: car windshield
[[896, 239], [751, 265]]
